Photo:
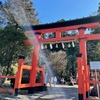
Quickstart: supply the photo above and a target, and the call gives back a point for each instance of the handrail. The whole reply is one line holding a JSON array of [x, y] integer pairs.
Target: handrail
[[93, 82], [8, 77], [24, 85], [91, 99], [26, 67], [6, 90]]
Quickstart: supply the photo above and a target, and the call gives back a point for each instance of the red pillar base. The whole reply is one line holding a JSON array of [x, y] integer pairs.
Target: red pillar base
[[87, 94], [80, 96], [16, 92], [31, 90]]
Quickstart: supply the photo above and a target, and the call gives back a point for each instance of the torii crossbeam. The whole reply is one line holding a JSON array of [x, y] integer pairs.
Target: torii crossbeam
[[78, 24]]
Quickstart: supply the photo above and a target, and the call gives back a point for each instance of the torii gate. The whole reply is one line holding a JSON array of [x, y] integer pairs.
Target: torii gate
[[78, 24]]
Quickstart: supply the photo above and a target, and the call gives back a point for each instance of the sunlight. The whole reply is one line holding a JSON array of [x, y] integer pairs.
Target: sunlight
[[19, 14]]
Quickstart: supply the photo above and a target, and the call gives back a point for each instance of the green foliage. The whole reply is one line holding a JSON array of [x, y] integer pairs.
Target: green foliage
[[12, 45], [93, 49], [13, 15]]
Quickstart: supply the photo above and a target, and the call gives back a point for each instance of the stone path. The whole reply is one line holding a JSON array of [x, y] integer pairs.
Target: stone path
[[59, 92]]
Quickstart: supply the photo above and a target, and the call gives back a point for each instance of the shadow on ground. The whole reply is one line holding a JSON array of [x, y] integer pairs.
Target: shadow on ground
[[60, 93]]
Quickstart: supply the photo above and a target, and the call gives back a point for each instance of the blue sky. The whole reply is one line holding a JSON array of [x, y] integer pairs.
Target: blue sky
[[54, 10]]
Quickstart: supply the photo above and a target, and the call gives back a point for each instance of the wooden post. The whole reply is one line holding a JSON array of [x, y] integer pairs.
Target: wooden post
[[0, 77], [43, 73], [82, 45], [34, 64], [80, 77], [18, 74]]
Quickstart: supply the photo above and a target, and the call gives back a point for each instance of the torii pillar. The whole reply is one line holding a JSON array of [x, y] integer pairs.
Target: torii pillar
[[34, 62], [82, 50]]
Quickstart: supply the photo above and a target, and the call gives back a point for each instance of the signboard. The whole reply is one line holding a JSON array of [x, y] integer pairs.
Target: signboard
[[95, 65]]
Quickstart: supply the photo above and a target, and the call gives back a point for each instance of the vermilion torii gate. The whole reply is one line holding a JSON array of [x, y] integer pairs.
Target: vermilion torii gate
[[78, 24]]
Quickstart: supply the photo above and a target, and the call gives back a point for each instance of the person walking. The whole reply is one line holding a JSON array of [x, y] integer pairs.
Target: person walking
[[62, 81], [55, 81], [45, 79], [49, 79], [52, 80]]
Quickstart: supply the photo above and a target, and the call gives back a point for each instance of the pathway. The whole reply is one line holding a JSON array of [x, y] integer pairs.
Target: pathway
[[59, 92]]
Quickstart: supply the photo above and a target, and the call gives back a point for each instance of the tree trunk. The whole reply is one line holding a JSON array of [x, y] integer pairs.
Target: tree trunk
[[7, 70]]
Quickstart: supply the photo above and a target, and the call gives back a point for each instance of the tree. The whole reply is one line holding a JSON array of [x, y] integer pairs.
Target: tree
[[30, 12], [19, 12], [2, 21], [57, 61], [12, 45], [93, 49], [13, 15]]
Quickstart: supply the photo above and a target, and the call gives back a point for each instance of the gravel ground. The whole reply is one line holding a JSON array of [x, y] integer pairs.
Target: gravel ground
[[59, 92]]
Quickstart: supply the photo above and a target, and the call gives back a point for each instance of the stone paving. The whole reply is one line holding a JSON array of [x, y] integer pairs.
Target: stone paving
[[59, 92]]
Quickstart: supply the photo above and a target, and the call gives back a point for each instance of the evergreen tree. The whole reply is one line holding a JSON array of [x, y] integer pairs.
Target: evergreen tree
[[19, 12], [12, 45], [30, 11], [13, 14], [93, 49]]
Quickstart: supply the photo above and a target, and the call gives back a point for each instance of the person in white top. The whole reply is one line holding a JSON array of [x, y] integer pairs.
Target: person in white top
[[45, 79], [55, 80], [51, 80]]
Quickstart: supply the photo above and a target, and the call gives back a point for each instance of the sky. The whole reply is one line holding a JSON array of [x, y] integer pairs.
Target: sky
[[54, 10]]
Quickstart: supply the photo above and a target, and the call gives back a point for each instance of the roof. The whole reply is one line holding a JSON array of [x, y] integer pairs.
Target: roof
[[73, 22]]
